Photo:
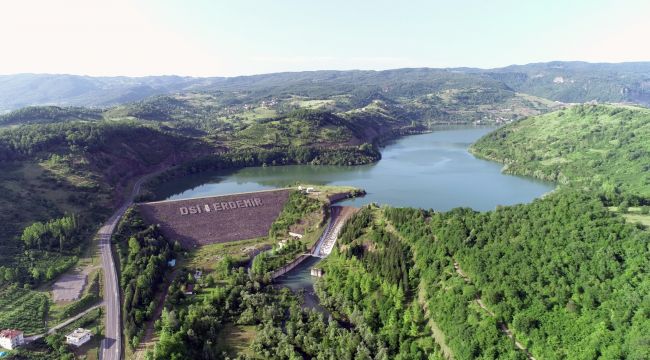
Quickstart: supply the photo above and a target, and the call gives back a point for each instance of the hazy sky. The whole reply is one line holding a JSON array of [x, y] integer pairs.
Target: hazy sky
[[239, 37]]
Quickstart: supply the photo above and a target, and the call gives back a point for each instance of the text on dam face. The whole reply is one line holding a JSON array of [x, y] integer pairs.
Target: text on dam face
[[220, 206]]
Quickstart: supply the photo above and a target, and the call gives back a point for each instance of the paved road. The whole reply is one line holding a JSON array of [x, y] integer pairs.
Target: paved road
[[111, 347], [63, 324]]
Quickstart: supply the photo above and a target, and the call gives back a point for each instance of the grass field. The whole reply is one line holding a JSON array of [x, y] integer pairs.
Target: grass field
[[634, 216], [23, 309], [206, 257], [236, 339], [638, 218], [313, 104]]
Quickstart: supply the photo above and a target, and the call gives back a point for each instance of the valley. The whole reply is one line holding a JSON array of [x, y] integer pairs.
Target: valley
[[546, 227]]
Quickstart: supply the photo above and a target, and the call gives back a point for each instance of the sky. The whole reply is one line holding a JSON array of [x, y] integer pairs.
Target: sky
[[244, 37]]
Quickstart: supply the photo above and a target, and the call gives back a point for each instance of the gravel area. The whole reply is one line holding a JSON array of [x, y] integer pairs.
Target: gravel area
[[69, 286]]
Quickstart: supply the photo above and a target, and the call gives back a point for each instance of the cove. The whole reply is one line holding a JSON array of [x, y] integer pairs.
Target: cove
[[430, 171]]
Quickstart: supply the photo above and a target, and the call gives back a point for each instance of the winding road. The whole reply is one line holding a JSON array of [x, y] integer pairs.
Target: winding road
[[111, 347]]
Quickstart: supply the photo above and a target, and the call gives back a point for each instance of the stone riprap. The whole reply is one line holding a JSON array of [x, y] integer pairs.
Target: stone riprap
[[216, 219]]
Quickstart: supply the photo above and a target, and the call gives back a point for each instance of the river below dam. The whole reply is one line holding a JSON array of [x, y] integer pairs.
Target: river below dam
[[431, 171]]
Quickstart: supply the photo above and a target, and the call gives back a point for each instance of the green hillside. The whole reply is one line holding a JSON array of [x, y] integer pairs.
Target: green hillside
[[601, 147], [49, 114], [557, 80], [80, 167], [563, 274], [76, 168]]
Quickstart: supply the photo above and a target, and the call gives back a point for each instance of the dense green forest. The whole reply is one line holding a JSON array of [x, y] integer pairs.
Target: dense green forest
[[567, 276], [58, 234], [371, 283], [143, 255], [603, 148]]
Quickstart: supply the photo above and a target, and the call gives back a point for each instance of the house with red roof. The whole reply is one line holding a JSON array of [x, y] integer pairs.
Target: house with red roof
[[11, 338]]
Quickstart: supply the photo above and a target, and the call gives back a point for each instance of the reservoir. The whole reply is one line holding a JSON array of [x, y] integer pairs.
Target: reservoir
[[430, 171]]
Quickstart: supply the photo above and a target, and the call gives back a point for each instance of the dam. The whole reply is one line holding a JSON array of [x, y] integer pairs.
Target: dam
[[214, 219]]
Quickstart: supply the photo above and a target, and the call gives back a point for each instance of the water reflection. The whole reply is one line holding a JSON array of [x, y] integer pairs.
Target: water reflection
[[428, 171]]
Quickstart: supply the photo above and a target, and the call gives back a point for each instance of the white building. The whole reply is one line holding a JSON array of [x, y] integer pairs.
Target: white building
[[78, 337], [11, 339]]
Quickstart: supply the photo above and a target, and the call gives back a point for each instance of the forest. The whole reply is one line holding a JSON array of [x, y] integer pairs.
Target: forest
[[564, 274], [58, 234], [143, 254]]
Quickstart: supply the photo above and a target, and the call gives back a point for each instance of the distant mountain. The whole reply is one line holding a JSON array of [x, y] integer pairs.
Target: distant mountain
[[22, 90], [580, 81], [561, 81]]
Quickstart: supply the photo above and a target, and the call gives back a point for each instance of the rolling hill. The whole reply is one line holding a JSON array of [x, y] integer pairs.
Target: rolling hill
[[601, 147], [560, 81]]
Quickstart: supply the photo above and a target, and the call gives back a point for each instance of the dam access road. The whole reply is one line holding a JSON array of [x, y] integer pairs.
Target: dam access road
[[111, 346]]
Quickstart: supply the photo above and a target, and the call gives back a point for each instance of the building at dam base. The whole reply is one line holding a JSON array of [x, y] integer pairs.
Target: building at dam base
[[216, 219]]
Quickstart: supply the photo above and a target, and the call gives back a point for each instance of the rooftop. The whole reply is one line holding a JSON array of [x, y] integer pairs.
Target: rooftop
[[10, 333], [79, 333]]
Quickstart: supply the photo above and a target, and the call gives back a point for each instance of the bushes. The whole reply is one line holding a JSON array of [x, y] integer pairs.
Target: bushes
[[295, 209]]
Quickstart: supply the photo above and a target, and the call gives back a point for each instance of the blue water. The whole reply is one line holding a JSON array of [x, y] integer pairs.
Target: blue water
[[432, 170]]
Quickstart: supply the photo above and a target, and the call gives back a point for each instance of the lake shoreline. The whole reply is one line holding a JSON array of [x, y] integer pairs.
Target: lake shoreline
[[430, 170]]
